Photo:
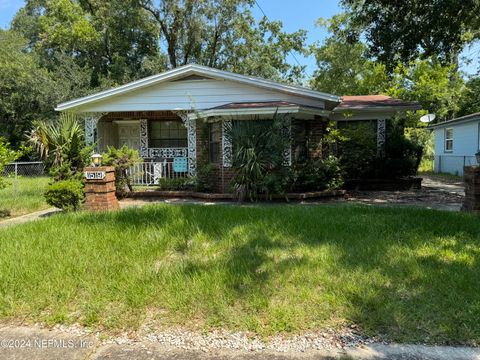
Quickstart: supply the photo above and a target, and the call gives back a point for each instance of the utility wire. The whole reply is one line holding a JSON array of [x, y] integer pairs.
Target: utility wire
[[291, 52]]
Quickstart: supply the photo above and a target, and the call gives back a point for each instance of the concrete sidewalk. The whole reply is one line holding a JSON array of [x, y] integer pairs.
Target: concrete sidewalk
[[37, 215], [31, 343]]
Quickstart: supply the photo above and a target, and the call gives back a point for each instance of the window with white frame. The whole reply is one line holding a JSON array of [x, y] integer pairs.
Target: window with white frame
[[449, 139]]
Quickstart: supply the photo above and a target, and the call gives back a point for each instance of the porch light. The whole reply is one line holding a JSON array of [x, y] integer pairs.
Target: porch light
[[477, 155], [97, 159]]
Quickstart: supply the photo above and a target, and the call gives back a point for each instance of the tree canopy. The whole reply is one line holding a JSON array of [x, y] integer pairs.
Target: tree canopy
[[123, 40], [402, 31], [347, 68], [57, 50]]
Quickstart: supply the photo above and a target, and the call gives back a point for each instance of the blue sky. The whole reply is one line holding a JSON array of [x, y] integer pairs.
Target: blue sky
[[301, 14]]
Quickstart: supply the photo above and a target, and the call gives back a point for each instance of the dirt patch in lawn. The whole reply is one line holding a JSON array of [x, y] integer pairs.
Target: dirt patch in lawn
[[425, 197]]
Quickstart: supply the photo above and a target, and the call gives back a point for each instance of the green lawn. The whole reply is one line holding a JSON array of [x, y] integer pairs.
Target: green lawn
[[28, 198], [409, 274]]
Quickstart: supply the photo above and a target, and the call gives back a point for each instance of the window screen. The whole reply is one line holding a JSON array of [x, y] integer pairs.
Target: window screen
[[214, 139], [168, 134]]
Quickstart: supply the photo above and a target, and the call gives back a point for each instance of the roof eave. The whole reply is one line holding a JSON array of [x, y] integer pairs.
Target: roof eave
[[257, 111], [378, 108], [457, 121]]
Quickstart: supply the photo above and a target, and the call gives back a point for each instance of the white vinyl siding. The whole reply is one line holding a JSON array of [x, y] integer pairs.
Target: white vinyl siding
[[193, 94], [465, 145]]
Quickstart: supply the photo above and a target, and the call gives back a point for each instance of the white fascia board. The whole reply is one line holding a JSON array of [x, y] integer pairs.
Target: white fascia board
[[379, 109], [199, 70]]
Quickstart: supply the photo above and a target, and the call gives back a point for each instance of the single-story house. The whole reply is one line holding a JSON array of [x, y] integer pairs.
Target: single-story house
[[161, 115], [456, 142]]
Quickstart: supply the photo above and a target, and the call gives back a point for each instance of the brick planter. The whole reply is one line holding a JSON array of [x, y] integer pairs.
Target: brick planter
[[100, 193], [471, 177], [230, 196]]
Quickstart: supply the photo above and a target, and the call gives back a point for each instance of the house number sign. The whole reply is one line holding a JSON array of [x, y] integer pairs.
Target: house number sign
[[95, 175]]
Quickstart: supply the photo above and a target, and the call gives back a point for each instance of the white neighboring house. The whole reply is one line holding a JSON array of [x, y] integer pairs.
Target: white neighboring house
[[456, 142]]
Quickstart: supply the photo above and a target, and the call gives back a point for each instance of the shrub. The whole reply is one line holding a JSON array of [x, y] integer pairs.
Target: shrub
[[202, 180], [65, 194], [359, 158], [122, 159], [317, 175], [258, 156], [6, 156], [64, 172], [61, 140], [358, 150], [402, 156], [177, 184]]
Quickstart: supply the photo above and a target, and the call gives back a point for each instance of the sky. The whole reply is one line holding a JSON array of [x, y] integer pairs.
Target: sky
[[301, 14]]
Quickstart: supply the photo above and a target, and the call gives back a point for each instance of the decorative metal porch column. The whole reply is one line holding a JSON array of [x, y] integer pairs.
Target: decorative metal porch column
[[91, 121], [144, 138], [288, 151], [227, 143], [192, 141], [381, 135]]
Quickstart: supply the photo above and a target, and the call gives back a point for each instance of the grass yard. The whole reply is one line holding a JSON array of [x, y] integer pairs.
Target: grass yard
[[409, 274], [27, 199]]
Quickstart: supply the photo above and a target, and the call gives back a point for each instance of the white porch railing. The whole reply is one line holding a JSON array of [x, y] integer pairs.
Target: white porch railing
[[150, 173], [167, 152]]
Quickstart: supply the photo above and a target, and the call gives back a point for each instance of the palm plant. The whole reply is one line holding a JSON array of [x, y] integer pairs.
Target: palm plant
[[258, 156], [59, 141]]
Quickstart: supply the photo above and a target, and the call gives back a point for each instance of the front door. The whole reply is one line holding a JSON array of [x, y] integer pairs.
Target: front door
[[129, 134]]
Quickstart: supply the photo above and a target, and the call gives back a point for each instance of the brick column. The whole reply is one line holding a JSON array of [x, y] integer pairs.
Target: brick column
[[471, 177], [100, 188]]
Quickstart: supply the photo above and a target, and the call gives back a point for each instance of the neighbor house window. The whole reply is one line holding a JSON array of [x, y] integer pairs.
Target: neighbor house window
[[449, 139], [168, 134], [214, 139]]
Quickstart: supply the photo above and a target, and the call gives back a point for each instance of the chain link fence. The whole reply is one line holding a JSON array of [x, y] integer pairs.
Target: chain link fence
[[453, 164], [24, 190], [19, 173]]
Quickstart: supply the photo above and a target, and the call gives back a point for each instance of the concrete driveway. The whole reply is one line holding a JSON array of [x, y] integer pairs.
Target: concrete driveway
[[436, 193]]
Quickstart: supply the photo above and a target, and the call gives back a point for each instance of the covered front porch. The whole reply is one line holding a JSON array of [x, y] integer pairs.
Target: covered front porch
[[161, 137], [172, 143]]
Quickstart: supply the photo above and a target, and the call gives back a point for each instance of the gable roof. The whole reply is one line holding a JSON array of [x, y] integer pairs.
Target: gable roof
[[370, 102], [197, 70]]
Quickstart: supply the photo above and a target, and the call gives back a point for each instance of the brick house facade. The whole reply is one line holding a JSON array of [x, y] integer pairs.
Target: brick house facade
[[162, 116]]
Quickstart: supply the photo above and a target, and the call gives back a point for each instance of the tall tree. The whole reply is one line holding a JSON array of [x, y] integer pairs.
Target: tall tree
[[225, 35], [437, 87], [344, 67], [470, 102], [26, 90], [402, 31], [123, 40], [347, 68], [111, 39]]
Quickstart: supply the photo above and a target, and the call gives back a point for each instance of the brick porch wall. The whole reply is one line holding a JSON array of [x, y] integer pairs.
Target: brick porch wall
[[220, 177]]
